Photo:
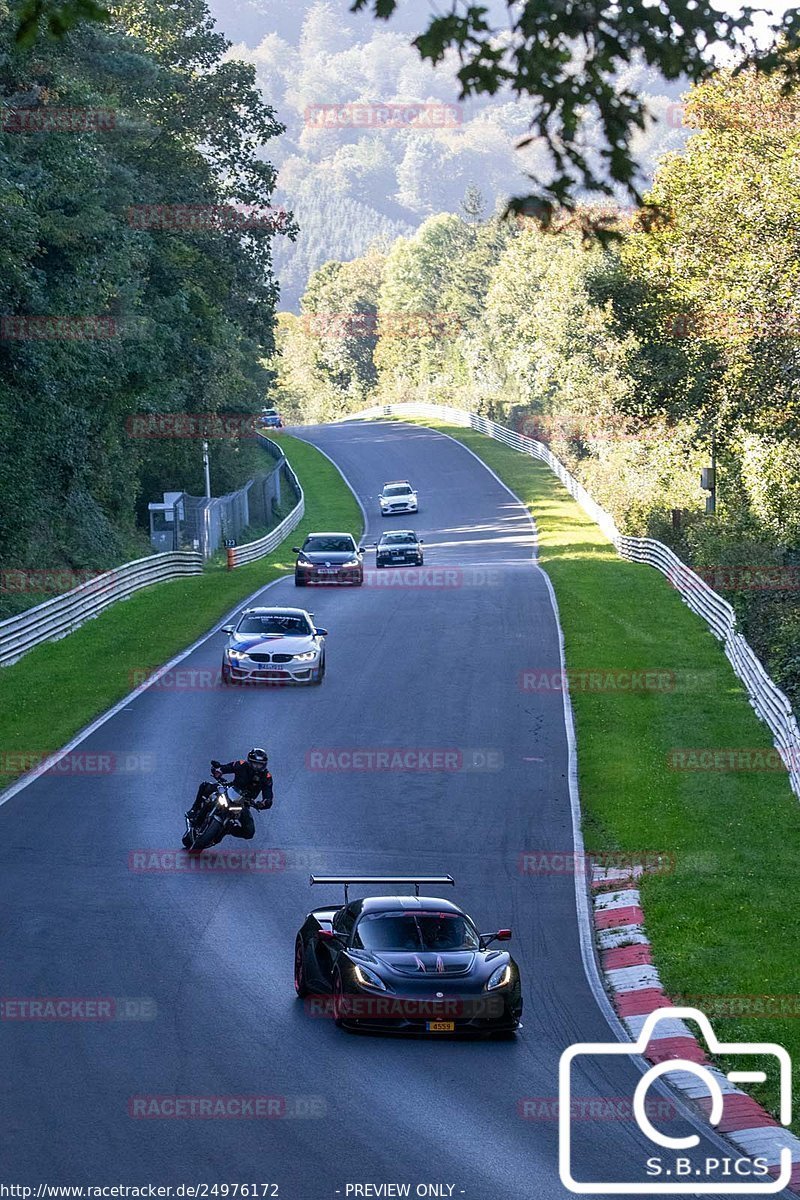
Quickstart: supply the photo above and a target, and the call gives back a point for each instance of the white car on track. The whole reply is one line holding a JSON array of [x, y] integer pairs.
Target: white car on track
[[398, 496], [274, 645]]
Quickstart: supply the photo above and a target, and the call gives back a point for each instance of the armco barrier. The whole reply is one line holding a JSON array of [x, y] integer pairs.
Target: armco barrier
[[769, 702], [239, 555], [57, 617]]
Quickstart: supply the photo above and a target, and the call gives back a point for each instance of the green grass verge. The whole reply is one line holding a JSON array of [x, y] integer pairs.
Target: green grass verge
[[723, 922], [59, 687]]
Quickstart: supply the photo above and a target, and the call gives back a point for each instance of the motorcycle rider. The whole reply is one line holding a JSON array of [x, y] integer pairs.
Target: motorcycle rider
[[251, 778]]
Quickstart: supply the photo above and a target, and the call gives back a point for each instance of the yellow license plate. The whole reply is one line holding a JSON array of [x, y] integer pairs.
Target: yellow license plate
[[440, 1026]]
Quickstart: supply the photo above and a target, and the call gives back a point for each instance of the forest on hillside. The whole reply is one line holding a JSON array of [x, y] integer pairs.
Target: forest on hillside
[[627, 359], [356, 177]]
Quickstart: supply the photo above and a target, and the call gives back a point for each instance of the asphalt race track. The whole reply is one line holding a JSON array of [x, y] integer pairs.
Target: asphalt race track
[[207, 956]]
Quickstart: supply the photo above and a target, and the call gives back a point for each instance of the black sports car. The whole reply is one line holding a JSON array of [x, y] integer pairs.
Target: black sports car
[[399, 548], [412, 964]]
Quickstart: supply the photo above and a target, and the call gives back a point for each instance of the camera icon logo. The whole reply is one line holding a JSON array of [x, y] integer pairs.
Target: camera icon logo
[[694, 1185]]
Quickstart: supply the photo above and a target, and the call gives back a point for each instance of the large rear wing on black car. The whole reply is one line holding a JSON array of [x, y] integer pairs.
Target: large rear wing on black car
[[406, 880]]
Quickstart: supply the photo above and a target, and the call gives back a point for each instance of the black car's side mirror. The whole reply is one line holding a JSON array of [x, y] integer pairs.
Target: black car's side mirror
[[502, 935], [295, 549], [360, 549]]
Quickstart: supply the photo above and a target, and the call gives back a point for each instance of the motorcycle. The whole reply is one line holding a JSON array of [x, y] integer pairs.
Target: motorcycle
[[221, 814]]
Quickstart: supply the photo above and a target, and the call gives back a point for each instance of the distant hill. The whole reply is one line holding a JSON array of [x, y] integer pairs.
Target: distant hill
[[354, 172]]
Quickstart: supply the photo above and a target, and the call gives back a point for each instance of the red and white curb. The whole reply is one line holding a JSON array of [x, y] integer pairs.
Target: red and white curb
[[636, 990]]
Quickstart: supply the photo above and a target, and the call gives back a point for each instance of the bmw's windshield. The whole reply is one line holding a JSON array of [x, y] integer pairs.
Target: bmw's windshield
[[323, 545], [264, 623], [415, 931], [396, 539]]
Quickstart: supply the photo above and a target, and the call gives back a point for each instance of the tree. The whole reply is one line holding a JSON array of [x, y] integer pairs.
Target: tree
[[569, 61], [189, 310]]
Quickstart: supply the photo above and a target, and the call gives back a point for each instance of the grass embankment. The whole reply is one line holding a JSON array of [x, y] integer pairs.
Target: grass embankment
[[59, 687], [724, 922]]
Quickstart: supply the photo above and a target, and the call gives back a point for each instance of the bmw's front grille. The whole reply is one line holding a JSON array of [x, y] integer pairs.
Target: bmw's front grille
[[282, 658], [261, 657]]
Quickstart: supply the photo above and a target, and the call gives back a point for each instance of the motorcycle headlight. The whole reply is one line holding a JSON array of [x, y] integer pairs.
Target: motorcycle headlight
[[236, 654], [369, 979], [307, 656], [499, 977]]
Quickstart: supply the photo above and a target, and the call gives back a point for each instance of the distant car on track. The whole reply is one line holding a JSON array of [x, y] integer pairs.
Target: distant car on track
[[398, 496], [270, 419], [413, 964], [399, 548], [269, 645], [329, 558]]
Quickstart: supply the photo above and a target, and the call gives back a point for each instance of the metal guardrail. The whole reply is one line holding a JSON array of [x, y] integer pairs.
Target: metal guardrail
[[769, 702], [250, 551], [56, 618]]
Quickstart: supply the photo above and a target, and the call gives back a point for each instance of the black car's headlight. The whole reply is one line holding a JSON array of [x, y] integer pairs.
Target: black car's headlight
[[367, 978], [500, 977], [351, 562]]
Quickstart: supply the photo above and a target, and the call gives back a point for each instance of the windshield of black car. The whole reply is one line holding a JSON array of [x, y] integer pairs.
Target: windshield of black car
[[402, 489], [396, 539], [415, 931], [323, 545], [264, 623]]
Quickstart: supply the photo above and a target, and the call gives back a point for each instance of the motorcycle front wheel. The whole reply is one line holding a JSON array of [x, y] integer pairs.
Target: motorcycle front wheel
[[209, 835]]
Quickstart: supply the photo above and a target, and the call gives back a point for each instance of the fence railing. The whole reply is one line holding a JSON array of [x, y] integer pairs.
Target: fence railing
[[57, 617], [54, 619], [250, 551], [769, 702]]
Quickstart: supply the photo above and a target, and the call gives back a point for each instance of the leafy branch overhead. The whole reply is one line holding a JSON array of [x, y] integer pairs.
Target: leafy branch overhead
[[58, 19], [566, 56]]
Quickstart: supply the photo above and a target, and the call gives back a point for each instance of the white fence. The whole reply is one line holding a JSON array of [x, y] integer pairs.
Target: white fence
[[239, 555], [767, 699], [57, 617]]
